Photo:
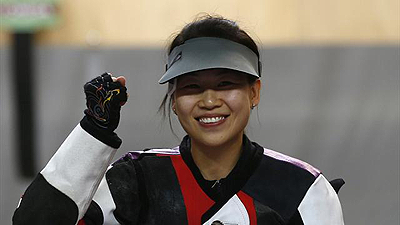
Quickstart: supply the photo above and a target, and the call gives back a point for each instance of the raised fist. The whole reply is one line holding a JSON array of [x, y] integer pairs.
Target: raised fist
[[104, 98]]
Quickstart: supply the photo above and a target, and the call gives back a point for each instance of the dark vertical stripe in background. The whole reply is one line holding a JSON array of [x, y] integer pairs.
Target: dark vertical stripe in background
[[24, 114]]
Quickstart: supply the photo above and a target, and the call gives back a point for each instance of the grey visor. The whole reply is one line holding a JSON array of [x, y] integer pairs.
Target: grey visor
[[210, 53]]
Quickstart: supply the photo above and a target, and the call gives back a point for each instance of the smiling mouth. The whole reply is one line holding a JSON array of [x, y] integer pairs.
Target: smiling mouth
[[211, 120]]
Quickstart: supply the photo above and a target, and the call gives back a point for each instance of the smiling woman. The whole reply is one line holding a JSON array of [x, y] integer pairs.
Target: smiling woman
[[213, 106], [215, 176]]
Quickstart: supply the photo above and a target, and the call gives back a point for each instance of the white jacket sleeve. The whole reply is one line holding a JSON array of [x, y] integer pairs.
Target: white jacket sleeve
[[321, 204], [106, 202], [78, 166]]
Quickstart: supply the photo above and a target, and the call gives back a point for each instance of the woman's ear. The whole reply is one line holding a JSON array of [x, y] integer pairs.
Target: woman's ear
[[255, 92], [173, 103]]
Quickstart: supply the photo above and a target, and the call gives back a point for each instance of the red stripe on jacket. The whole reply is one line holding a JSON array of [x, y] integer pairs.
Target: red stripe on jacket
[[249, 205], [196, 201]]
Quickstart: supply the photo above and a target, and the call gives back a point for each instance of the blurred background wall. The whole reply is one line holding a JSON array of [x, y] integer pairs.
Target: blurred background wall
[[330, 86]]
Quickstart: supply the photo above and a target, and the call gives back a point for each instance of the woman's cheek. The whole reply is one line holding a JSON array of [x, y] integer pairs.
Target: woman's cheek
[[237, 99], [184, 105]]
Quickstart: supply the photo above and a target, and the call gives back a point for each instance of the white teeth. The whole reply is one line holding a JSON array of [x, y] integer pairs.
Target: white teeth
[[211, 119]]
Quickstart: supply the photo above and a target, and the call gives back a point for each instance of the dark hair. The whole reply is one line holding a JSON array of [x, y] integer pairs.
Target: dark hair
[[208, 26], [214, 26]]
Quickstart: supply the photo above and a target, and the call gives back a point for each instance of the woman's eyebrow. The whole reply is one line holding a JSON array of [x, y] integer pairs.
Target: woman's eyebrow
[[189, 77], [193, 76]]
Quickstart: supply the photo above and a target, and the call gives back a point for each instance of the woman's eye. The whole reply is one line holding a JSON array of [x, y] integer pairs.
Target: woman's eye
[[191, 86], [225, 83]]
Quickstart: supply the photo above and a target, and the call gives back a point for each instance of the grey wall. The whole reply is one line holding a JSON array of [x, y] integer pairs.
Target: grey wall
[[334, 107]]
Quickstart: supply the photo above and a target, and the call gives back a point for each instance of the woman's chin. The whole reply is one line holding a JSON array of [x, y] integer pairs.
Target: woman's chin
[[215, 140]]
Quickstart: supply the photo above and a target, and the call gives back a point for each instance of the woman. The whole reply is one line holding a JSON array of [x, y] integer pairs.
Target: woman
[[215, 176]]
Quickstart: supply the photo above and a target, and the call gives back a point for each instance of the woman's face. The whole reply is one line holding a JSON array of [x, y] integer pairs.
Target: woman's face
[[213, 106]]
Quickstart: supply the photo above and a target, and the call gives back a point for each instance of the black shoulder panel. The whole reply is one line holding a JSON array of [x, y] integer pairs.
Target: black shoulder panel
[[123, 184], [279, 185], [94, 215], [265, 215], [43, 204], [296, 219], [165, 200]]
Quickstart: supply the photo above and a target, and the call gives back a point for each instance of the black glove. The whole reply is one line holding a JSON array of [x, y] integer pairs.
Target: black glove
[[104, 99]]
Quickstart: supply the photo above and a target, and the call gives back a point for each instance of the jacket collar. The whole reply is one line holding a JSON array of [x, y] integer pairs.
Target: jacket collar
[[249, 160]]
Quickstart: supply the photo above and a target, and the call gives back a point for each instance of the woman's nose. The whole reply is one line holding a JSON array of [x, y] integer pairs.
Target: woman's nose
[[209, 99]]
